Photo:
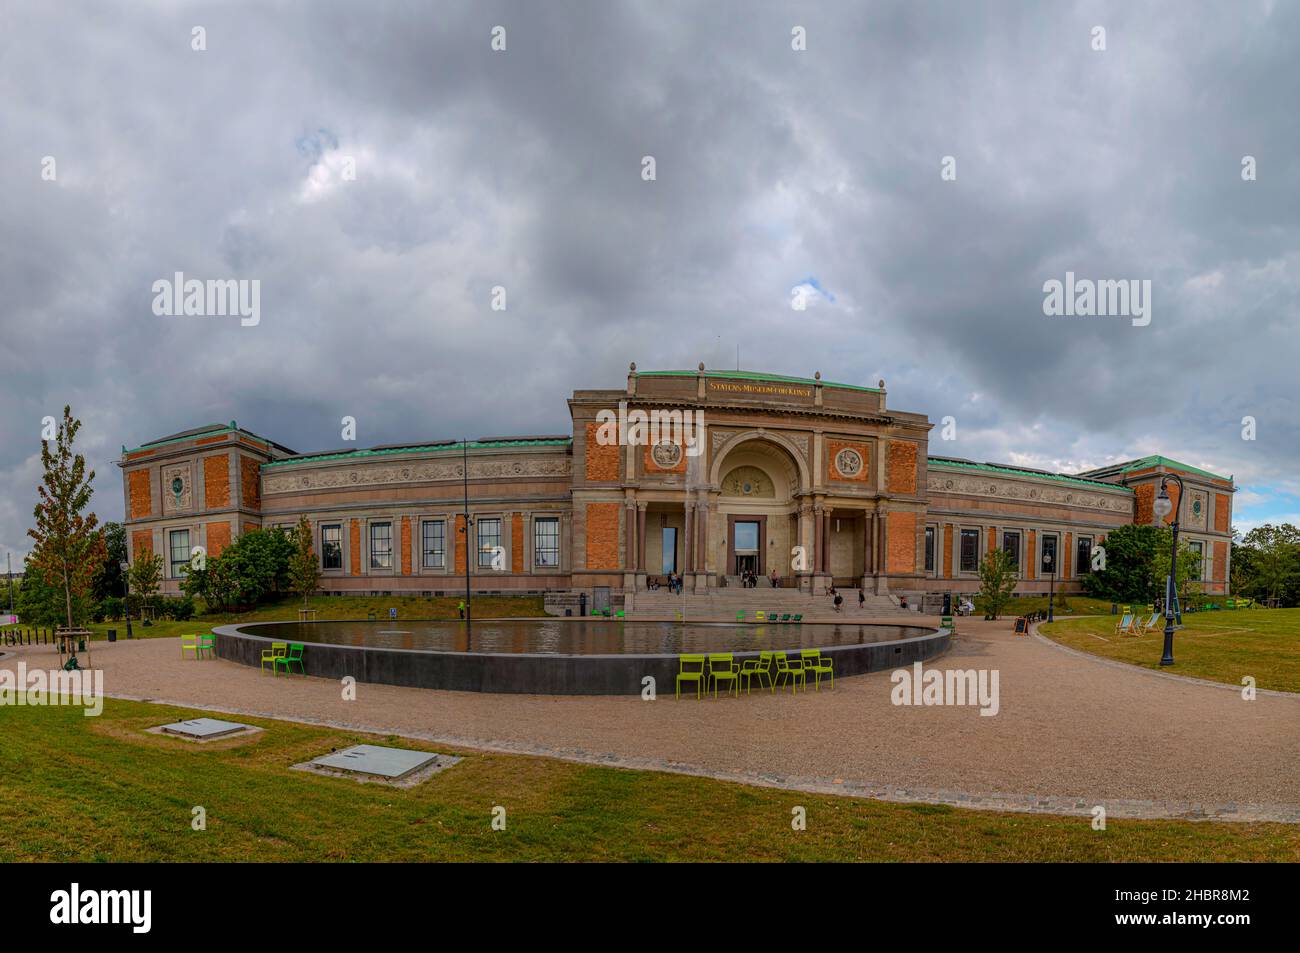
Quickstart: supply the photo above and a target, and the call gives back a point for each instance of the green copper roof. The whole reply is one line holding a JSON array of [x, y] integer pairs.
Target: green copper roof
[[211, 430], [1158, 461], [457, 447], [754, 376], [1017, 472]]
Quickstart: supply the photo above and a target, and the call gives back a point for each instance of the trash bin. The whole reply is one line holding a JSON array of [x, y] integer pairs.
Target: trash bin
[[81, 644], [112, 635], [568, 612], [1114, 609]]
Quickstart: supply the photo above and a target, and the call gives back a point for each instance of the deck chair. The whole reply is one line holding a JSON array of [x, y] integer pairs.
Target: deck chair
[[1153, 624], [1126, 624]]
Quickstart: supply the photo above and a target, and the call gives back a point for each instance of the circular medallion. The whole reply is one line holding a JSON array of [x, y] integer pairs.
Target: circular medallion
[[1196, 507], [666, 454], [848, 462], [178, 486]]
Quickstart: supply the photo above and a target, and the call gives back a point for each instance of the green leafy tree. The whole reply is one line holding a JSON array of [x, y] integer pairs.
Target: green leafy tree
[[1129, 575], [146, 576], [69, 546], [254, 568], [304, 570], [109, 579], [1189, 568], [997, 582], [1267, 563]]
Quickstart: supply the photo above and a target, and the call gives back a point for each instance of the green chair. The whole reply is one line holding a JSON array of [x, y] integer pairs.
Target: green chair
[[798, 617], [815, 662], [946, 622], [786, 617], [618, 614], [190, 643], [270, 655], [695, 673], [773, 617], [723, 668], [790, 670], [740, 615], [207, 643], [288, 659], [760, 668], [760, 615]]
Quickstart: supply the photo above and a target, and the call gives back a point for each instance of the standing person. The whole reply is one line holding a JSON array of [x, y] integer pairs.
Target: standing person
[[862, 599], [461, 607], [839, 601]]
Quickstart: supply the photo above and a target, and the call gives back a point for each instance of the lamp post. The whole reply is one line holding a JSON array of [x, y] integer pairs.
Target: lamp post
[[1050, 559], [1162, 508], [126, 590], [464, 469]]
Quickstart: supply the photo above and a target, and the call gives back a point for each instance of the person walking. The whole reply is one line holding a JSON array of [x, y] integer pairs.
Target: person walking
[[461, 607], [862, 599]]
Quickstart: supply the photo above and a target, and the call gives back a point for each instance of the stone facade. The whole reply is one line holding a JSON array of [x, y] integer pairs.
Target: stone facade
[[812, 481]]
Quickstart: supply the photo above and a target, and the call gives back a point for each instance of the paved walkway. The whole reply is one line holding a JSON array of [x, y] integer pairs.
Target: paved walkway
[[1072, 731]]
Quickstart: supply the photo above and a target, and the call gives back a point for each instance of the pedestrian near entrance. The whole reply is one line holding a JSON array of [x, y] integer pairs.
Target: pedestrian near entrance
[[461, 607], [862, 599]]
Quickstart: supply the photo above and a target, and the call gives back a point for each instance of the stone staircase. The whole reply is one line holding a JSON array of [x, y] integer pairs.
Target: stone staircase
[[723, 604]]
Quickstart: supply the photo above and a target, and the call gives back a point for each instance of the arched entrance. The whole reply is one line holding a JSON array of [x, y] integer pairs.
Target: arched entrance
[[759, 479]]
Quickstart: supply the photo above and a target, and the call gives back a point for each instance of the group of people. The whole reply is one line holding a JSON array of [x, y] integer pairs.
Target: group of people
[[674, 583]]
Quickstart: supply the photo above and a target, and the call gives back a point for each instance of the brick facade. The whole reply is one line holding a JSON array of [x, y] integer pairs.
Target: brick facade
[[216, 482], [218, 537], [354, 546], [1222, 511], [902, 543], [137, 482], [517, 542], [900, 467], [250, 482], [406, 545], [833, 448], [141, 543], [601, 459], [602, 535]]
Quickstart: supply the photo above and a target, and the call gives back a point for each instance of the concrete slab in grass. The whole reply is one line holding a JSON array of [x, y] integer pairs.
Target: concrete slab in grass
[[205, 729], [398, 766]]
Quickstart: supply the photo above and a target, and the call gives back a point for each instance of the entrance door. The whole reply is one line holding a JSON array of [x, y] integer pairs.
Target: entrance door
[[745, 546], [746, 563]]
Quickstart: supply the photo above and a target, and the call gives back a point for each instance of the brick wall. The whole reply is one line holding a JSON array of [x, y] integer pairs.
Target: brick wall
[[462, 545], [517, 542], [948, 532], [900, 467], [902, 543], [833, 448], [601, 459], [216, 482], [249, 482], [1222, 512], [1220, 561], [354, 544], [406, 545], [1031, 567], [141, 543], [1067, 556], [137, 482], [602, 535], [218, 535]]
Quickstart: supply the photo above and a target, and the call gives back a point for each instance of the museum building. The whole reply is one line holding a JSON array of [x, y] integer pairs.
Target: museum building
[[814, 482]]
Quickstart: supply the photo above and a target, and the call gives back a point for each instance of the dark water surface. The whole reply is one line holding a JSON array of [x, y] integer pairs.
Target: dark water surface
[[582, 637]]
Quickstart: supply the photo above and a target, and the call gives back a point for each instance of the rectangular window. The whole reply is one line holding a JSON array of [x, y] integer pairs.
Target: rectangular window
[[1198, 550], [434, 542], [381, 545], [331, 546], [1049, 560], [1011, 546], [179, 543], [1083, 556], [929, 549], [970, 550], [669, 562], [489, 541], [546, 543]]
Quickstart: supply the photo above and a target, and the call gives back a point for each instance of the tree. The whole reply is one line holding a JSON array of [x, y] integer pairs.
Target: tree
[[253, 568], [1189, 567], [146, 576], [997, 581], [69, 546], [109, 578], [1272, 563], [304, 570], [1130, 563]]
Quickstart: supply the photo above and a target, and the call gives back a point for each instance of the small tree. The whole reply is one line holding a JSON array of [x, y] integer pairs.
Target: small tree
[[146, 575], [304, 570], [69, 546], [997, 581]]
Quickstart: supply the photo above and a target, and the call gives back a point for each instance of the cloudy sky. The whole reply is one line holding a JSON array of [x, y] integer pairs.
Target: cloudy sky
[[775, 169]]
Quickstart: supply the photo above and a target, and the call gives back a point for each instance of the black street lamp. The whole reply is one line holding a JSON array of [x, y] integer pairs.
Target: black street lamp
[[1162, 508], [126, 590], [1049, 558]]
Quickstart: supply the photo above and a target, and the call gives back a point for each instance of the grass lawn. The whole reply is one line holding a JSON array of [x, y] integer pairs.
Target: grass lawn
[[1221, 646], [74, 788], [1074, 605], [335, 607]]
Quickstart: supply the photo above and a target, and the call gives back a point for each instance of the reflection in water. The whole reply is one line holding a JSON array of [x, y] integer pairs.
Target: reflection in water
[[575, 637]]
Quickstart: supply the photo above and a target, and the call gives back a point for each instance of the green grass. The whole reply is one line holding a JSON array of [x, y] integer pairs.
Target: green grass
[[1222, 646], [74, 788], [334, 607], [1072, 605]]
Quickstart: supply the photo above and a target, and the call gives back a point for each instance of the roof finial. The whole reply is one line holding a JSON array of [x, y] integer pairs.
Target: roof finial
[[701, 365], [632, 366], [817, 375], [882, 383]]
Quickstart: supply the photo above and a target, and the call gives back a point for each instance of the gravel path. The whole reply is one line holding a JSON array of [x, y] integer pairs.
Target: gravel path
[[1072, 732]]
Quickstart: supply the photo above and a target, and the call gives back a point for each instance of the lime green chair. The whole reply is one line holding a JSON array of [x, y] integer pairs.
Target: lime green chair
[[740, 615], [190, 643], [690, 669], [207, 643], [723, 668], [270, 655], [790, 670], [816, 663], [760, 668], [290, 658], [760, 615]]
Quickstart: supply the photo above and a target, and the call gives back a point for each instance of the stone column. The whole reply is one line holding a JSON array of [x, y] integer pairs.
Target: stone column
[[819, 542], [868, 527], [640, 537], [826, 541], [688, 543]]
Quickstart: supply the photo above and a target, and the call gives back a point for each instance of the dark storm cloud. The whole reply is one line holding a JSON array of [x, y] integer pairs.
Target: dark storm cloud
[[522, 169]]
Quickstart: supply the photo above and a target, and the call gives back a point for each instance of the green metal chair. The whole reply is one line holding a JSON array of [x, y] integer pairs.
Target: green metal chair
[[288, 659], [786, 617], [773, 617], [790, 670], [207, 643], [190, 643], [815, 662], [946, 622], [723, 668], [798, 617], [760, 668], [740, 615], [270, 655], [618, 614], [692, 674]]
